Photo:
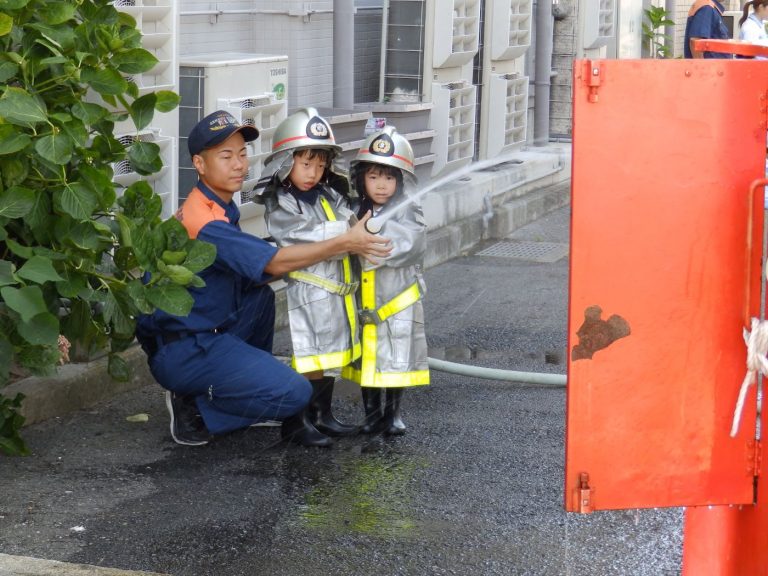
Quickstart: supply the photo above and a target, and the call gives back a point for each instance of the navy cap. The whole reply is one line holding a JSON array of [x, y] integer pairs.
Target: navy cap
[[214, 129]]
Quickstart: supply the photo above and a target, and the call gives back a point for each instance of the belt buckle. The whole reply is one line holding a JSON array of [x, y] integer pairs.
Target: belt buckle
[[369, 317]]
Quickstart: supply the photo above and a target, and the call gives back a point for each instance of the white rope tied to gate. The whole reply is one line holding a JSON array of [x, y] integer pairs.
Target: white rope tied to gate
[[757, 348]]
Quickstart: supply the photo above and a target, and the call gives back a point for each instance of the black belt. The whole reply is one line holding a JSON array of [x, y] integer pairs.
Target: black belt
[[168, 337]]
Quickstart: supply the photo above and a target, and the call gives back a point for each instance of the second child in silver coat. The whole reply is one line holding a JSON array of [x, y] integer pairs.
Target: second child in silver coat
[[390, 296]]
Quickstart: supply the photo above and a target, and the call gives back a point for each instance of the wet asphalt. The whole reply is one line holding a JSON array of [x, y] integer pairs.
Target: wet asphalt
[[474, 487]]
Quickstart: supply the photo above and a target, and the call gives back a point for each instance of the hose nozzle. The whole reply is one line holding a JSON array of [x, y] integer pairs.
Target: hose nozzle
[[374, 225]]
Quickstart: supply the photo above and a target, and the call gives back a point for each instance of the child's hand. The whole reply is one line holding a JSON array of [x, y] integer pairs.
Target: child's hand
[[370, 246]]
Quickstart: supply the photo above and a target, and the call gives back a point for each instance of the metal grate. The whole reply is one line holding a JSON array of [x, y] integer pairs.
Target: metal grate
[[522, 250]]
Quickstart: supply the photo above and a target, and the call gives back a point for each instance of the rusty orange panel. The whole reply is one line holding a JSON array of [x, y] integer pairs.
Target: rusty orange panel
[[664, 152]]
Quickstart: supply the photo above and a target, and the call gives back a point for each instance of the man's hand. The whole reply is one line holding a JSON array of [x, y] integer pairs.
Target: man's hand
[[369, 246]]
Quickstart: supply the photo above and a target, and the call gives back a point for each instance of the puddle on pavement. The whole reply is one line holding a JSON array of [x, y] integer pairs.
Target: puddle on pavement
[[369, 493]]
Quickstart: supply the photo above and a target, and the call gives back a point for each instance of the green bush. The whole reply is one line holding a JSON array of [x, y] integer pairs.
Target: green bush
[[73, 245], [653, 31]]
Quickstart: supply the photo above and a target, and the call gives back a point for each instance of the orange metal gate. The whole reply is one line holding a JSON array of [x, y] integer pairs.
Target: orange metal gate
[[663, 279]]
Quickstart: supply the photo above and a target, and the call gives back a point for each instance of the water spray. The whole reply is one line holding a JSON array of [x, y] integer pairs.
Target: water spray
[[375, 224]]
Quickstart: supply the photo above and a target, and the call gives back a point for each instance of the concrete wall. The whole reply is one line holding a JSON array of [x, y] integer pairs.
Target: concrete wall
[[563, 51], [367, 55]]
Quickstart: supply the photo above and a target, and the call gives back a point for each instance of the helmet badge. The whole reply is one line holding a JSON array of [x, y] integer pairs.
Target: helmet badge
[[318, 129], [382, 146]]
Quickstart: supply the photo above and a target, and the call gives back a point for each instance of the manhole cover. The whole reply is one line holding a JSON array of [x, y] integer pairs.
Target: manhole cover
[[533, 251]]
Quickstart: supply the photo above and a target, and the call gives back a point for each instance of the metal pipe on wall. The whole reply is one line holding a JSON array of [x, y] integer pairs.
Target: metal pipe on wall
[[343, 54], [543, 69]]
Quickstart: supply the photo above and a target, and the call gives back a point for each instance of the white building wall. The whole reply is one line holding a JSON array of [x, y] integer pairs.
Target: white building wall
[[307, 39]]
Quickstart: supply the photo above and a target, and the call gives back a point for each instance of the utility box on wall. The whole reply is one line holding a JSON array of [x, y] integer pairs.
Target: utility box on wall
[[253, 88]]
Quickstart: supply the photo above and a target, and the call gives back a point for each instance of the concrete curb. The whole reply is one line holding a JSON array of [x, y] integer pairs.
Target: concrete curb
[[27, 566], [482, 205]]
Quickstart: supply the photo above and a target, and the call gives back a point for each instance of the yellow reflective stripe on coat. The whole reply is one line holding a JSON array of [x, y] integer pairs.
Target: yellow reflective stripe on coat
[[406, 298], [305, 364], [370, 336], [325, 283], [387, 379], [349, 300]]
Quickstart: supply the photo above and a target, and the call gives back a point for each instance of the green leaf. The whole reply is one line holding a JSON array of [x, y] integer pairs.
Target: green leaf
[[73, 283], [14, 169], [21, 251], [6, 273], [7, 70], [57, 12], [200, 255], [177, 274], [55, 147], [136, 290], [89, 113], [18, 107], [39, 218], [6, 24], [11, 140], [174, 257], [77, 200], [86, 237], [145, 157], [142, 110], [75, 129], [134, 61], [170, 298], [39, 270], [105, 81], [13, 4], [27, 301], [101, 183], [16, 202], [166, 100], [176, 236], [40, 330], [118, 368]]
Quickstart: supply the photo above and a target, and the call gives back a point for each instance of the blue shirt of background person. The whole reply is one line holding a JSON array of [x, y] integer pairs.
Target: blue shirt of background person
[[705, 20]]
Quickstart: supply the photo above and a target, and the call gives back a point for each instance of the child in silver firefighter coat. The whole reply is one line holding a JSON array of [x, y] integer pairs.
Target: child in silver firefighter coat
[[306, 199], [394, 342]]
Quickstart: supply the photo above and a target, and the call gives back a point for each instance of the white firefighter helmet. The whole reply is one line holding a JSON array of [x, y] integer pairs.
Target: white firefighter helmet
[[304, 128], [387, 147]]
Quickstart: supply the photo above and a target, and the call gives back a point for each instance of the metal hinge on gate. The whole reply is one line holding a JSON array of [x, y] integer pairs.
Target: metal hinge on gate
[[582, 495], [754, 457], [592, 78]]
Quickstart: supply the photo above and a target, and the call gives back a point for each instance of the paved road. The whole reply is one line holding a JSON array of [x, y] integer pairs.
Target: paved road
[[475, 487]]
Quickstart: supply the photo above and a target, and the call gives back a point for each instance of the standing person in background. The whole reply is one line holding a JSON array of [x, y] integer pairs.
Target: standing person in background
[[306, 200], [394, 339], [216, 363], [752, 26], [705, 20]]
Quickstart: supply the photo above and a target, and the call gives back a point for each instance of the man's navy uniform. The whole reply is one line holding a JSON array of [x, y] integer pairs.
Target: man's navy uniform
[[705, 20], [221, 353]]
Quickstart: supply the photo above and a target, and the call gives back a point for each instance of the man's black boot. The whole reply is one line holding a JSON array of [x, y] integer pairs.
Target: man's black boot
[[320, 409], [299, 430], [393, 424], [373, 412], [187, 426]]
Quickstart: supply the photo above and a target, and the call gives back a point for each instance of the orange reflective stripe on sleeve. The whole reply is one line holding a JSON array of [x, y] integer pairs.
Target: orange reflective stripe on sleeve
[[197, 211]]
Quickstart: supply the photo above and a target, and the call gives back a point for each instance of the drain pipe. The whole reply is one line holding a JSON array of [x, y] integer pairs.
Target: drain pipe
[[343, 54], [542, 82], [555, 380]]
